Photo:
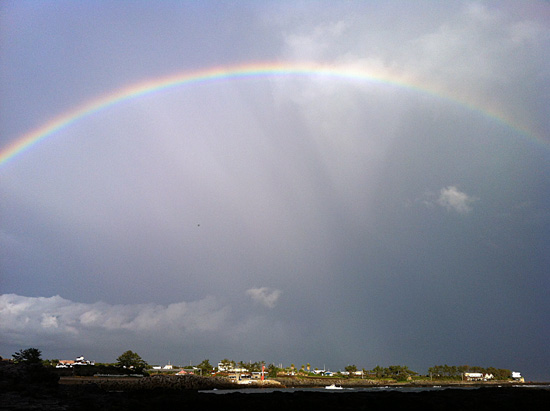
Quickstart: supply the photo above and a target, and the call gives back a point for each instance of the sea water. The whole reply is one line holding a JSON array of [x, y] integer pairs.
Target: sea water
[[324, 390], [365, 389]]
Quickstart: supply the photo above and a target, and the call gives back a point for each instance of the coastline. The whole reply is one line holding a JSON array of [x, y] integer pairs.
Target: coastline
[[358, 383], [190, 382], [171, 385], [24, 388]]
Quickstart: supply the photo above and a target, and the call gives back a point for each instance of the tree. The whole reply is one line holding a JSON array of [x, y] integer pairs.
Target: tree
[[227, 364], [378, 371], [130, 359], [502, 374], [31, 370], [351, 369], [400, 372], [50, 363], [205, 367], [28, 356], [255, 366], [272, 370]]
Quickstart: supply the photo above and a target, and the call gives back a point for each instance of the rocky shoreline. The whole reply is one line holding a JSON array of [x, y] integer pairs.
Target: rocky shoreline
[[165, 382], [290, 382], [35, 388]]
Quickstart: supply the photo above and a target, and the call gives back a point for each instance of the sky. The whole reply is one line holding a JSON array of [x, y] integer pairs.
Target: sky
[[397, 216]]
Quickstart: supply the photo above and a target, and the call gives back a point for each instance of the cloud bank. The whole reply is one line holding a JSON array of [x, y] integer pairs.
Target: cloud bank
[[30, 318]]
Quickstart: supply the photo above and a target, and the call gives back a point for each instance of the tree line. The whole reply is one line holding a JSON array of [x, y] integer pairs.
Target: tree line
[[453, 372], [130, 361]]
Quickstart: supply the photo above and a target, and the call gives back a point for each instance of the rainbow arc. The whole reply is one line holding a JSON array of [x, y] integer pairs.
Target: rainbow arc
[[225, 73]]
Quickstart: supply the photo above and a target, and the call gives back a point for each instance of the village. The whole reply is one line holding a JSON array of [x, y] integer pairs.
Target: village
[[247, 373], [29, 382]]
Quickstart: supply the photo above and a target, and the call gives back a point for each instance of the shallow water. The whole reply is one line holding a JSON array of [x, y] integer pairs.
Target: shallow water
[[324, 390], [388, 388]]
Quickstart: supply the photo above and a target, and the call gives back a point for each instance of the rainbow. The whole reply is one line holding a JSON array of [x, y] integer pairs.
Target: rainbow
[[30, 139]]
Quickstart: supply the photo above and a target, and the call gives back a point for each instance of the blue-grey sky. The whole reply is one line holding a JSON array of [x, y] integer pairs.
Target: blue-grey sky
[[290, 220]]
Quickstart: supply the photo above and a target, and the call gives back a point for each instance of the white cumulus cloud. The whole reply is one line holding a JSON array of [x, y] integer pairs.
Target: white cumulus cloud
[[29, 318], [264, 295], [455, 200]]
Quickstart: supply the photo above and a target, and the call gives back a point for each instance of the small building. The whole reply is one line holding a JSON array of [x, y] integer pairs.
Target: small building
[[231, 368], [478, 376], [82, 361], [516, 376], [323, 372], [473, 376], [256, 375], [65, 364], [71, 363]]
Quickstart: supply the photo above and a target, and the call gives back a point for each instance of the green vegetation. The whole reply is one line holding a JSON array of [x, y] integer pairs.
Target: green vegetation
[[28, 356], [131, 360], [453, 372], [50, 363], [227, 364], [205, 367], [30, 369], [254, 366], [393, 372], [272, 370]]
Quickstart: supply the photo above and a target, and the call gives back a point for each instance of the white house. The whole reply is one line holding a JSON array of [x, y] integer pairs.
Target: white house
[[323, 372], [82, 361], [70, 363], [478, 376], [473, 376], [230, 368]]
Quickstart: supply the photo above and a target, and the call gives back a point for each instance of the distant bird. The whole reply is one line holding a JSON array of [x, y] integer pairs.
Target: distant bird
[[198, 225]]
